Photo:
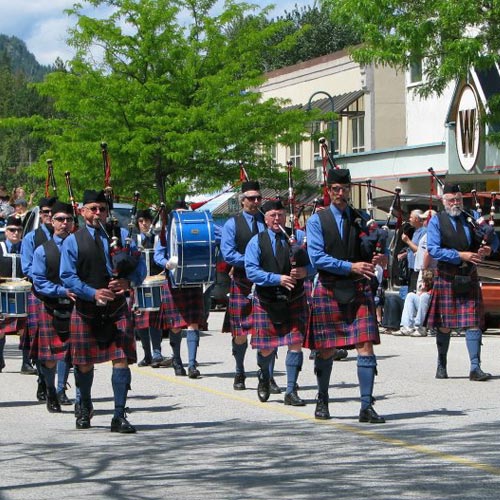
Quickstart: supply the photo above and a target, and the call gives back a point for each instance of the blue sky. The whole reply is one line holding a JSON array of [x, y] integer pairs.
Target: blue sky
[[42, 24]]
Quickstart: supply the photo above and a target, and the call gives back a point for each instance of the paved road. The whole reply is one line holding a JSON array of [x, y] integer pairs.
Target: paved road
[[199, 439]]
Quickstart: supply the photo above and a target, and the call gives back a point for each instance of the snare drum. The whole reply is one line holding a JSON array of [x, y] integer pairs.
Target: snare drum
[[148, 295], [192, 241], [14, 298]]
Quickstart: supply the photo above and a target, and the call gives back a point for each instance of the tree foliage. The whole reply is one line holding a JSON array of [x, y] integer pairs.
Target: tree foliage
[[449, 36], [173, 96]]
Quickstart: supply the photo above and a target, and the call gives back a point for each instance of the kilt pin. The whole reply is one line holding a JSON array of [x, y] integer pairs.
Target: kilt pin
[[334, 325]]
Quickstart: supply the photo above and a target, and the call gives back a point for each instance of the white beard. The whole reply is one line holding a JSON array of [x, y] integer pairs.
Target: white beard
[[454, 210]]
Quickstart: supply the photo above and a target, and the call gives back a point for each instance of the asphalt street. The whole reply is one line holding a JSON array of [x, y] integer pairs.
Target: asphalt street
[[199, 439]]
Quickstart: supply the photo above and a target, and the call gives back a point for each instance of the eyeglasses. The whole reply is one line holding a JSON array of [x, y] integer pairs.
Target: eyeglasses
[[14, 229], [63, 219], [253, 198], [337, 189], [46, 212], [96, 209], [453, 200]]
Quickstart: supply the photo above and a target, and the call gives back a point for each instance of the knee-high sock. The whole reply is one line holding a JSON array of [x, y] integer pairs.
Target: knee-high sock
[[38, 366], [120, 380], [273, 361], [26, 357], [443, 344], [49, 375], [63, 368], [367, 368], [473, 342], [293, 365], [2, 347], [323, 371], [264, 362], [84, 383], [175, 343], [155, 334], [193, 341], [239, 351], [145, 342]]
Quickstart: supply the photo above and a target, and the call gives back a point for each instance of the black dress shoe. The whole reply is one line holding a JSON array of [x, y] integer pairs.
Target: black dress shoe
[[144, 362], [322, 412], [53, 405], [84, 416], [274, 388], [63, 399], [239, 382], [339, 354], [78, 410], [263, 389], [122, 425], [370, 415], [27, 369], [441, 372], [178, 369], [193, 373], [163, 362], [478, 375], [293, 399], [41, 392]]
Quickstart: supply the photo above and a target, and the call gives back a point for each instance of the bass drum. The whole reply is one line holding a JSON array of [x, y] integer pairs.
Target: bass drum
[[192, 243]]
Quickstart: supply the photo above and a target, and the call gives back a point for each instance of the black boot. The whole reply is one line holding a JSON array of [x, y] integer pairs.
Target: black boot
[[41, 392], [53, 405], [322, 412]]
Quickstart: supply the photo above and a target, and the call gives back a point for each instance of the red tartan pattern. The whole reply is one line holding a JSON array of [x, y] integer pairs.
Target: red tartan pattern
[[144, 319], [180, 307], [239, 309], [448, 310], [334, 325], [11, 325], [267, 335], [47, 345], [34, 306], [84, 348]]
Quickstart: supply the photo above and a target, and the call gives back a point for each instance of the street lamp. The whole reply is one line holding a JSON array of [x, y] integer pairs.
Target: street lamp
[[330, 98]]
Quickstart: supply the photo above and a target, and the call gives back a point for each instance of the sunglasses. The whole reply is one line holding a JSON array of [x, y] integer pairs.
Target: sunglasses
[[46, 212], [14, 229], [63, 219], [95, 209], [253, 198]]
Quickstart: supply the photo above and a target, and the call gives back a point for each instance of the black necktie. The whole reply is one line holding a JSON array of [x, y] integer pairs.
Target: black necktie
[[280, 251], [462, 237], [345, 228], [99, 244], [255, 227], [15, 248]]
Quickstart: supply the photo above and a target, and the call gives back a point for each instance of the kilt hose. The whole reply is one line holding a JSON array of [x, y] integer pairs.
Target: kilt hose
[[268, 335], [333, 325], [450, 310], [84, 348], [48, 344], [237, 319], [180, 307]]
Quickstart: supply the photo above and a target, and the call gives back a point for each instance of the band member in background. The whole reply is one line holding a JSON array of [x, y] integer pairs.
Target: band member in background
[[182, 307], [52, 342], [456, 302], [236, 234], [101, 327], [31, 241], [343, 309], [279, 310], [417, 223], [10, 267], [145, 321]]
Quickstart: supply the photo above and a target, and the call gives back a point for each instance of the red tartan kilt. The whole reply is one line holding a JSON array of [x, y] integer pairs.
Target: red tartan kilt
[[34, 306], [144, 319], [180, 307], [334, 325], [448, 310], [238, 314], [84, 348], [11, 325], [267, 335], [47, 345]]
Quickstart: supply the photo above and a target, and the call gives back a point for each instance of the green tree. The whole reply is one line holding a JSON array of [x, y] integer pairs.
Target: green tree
[[175, 100]]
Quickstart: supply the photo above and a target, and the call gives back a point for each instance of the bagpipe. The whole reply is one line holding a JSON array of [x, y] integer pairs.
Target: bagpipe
[[483, 230], [50, 180]]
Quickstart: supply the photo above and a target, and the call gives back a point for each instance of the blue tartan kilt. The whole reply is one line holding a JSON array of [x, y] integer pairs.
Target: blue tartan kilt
[[341, 325], [238, 314], [180, 307], [267, 335], [84, 348], [449, 310], [47, 345]]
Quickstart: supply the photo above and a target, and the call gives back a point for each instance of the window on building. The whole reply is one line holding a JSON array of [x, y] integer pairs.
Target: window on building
[[416, 72], [356, 114], [273, 153], [336, 135], [315, 130], [294, 155]]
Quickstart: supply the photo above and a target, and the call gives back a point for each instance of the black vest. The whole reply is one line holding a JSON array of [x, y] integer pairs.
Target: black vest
[[40, 237], [91, 265], [6, 264], [243, 233], [52, 260], [450, 238]]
